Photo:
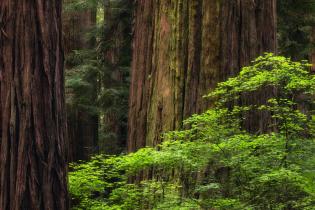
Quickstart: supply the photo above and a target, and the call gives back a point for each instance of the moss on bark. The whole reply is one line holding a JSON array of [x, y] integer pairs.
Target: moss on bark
[[182, 49]]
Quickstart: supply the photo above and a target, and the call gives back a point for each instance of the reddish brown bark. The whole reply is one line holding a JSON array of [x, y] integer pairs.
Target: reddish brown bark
[[181, 49], [33, 144], [140, 70], [248, 29]]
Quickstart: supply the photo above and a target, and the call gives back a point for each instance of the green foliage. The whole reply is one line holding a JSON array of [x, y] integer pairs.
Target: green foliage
[[214, 163], [295, 22], [80, 5], [97, 76], [287, 76], [80, 80]]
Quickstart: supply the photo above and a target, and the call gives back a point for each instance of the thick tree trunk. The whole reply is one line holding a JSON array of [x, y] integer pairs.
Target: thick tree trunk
[[248, 29], [141, 69], [33, 144], [82, 125], [182, 49]]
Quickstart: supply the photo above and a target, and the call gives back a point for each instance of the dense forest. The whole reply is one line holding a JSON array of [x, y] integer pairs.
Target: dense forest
[[157, 104]]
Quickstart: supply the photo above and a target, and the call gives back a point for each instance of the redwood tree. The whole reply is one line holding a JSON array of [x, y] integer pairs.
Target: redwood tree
[[82, 123], [33, 145], [115, 45], [181, 49]]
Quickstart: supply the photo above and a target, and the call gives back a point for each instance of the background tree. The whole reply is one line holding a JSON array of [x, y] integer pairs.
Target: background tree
[[97, 78], [312, 53], [115, 44], [79, 21], [33, 139], [181, 49], [296, 21]]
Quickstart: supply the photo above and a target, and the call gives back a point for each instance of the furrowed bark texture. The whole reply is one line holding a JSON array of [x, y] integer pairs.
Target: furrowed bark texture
[[33, 169], [182, 49], [82, 125], [141, 69]]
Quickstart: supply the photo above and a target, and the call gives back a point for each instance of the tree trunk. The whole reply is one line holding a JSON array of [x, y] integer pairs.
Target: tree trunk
[[312, 53], [33, 145], [141, 69], [82, 124], [182, 49], [116, 47]]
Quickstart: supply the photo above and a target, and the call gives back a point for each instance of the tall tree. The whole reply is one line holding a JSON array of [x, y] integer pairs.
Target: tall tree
[[181, 49], [113, 95], [79, 48], [33, 138]]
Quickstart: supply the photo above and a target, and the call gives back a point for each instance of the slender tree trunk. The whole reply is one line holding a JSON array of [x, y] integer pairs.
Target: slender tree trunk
[[82, 124], [107, 14], [116, 48], [312, 53], [33, 144], [182, 49]]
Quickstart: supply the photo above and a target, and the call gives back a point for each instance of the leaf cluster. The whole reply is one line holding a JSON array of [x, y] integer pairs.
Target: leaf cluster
[[214, 163]]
